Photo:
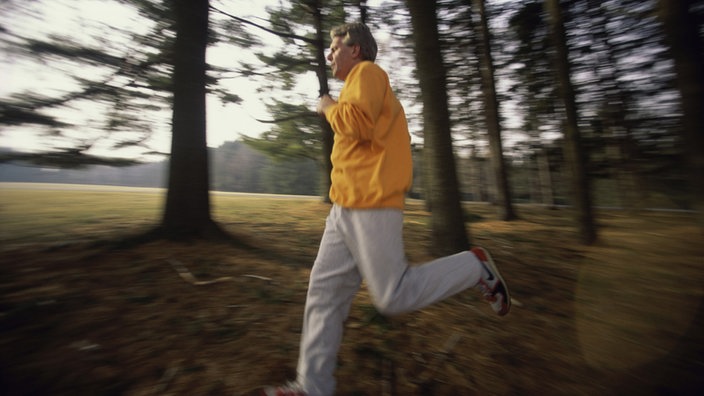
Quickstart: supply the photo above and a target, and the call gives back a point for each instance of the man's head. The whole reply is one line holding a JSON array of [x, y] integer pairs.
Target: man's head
[[351, 43]]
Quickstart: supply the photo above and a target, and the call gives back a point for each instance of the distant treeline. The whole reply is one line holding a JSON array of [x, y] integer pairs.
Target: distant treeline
[[234, 167]]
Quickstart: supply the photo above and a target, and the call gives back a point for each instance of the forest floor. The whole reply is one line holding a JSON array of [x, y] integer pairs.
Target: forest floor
[[79, 316]]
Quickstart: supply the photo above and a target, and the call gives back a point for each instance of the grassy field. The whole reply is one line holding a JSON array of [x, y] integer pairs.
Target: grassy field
[[621, 317]]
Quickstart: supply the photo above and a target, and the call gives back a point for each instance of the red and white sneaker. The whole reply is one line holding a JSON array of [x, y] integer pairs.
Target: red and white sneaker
[[491, 284]]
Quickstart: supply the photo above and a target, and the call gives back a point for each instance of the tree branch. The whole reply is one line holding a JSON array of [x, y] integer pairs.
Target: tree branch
[[264, 28], [293, 117]]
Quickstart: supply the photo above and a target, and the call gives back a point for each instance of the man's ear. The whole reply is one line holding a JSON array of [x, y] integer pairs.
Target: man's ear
[[357, 51]]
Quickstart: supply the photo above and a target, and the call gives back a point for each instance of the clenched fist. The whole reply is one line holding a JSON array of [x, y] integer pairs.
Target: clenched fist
[[325, 102]]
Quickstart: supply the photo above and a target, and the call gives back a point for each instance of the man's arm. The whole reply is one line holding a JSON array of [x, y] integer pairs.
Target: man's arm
[[355, 114]]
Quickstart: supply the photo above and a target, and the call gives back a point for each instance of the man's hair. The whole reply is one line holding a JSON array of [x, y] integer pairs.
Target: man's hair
[[357, 34]]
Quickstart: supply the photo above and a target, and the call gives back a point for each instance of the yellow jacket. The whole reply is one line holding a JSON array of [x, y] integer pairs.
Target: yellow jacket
[[371, 156]]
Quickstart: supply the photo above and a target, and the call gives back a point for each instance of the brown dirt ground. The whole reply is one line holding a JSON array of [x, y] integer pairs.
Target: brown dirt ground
[[619, 318]]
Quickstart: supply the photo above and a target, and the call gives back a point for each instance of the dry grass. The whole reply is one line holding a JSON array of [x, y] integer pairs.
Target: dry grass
[[621, 317]]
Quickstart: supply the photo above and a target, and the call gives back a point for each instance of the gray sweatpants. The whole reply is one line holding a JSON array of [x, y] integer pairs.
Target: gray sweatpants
[[367, 244]]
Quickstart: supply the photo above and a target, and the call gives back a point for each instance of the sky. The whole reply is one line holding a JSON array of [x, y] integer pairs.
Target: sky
[[81, 18]]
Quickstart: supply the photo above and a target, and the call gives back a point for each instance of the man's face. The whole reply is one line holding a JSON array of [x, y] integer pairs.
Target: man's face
[[342, 57]]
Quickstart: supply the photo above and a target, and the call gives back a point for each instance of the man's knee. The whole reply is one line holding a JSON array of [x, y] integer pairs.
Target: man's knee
[[388, 307]]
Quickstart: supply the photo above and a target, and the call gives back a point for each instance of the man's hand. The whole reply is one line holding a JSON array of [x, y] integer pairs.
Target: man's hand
[[325, 102]]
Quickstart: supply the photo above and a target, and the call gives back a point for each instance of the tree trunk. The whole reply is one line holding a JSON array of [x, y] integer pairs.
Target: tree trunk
[[682, 34], [321, 70], [574, 153], [475, 176], [449, 234], [491, 111], [187, 210], [545, 182]]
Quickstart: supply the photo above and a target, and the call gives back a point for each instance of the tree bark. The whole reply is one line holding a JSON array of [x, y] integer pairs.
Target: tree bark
[[491, 111], [449, 234], [574, 152], [187, 209], [321, 71], [545, 182], [682, 34]]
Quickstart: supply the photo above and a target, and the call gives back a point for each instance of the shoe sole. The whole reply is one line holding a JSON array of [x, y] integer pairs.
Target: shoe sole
[[495, 270]]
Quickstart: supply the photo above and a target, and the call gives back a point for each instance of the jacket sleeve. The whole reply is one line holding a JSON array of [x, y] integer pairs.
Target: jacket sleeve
[[360, 103]]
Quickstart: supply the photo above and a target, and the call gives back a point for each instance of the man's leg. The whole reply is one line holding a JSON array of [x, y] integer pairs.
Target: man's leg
[[334, 280], [375, 238]]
